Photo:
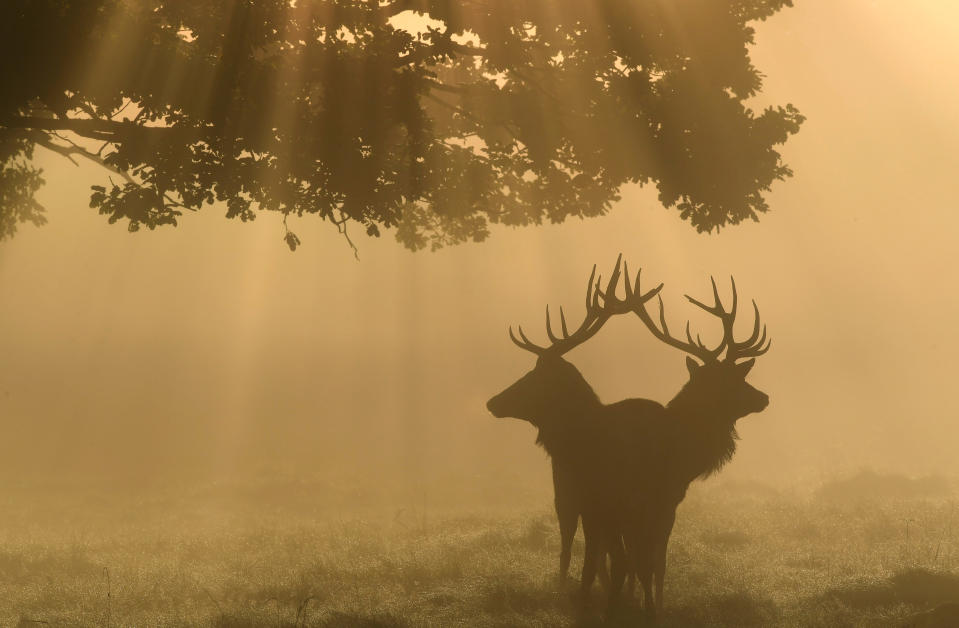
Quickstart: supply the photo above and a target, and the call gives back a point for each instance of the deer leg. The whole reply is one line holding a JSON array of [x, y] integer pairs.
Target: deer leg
[[630, 547], [617, 568], [643, 564], [659, 573], [590, 557], [630, 590], [568, 521], [659, 559], [646, 579], [603, 568]]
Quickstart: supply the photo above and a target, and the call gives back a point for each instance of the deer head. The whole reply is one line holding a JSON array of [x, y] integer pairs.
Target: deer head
[[555, 388], [717, 386]]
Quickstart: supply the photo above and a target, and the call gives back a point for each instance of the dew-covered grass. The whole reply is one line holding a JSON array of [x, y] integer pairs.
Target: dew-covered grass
[[741, 555]]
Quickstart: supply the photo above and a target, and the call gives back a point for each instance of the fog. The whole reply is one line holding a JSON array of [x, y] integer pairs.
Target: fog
[[210, 351]]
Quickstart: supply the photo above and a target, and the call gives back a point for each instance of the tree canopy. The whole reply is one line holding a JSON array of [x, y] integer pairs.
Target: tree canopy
[[432, 118]]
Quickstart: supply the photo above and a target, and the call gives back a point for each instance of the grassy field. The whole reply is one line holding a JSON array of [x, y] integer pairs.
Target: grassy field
[[869, 554]]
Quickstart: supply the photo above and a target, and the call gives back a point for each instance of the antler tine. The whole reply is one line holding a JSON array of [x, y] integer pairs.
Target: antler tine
[[519, 328], [549, 327], [594, 305], [628, 286], [755, 334], [762, 340], [525, 344], [614, 280], [589, 288], [691, 346], [635, 294], [758, 349], [752, 346], [732, 311], [695, 346], [600, 307], [662, 315], [764, 349], [649, 295], [634, 300], [719, 302], [717, 308], [699, 342], [638, 290]]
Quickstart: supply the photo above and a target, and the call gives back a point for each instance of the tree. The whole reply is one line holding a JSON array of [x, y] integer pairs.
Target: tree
[[434, 118]]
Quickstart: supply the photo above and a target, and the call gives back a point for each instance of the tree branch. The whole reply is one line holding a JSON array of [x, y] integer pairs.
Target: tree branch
[[100, 129], [74, 149], [70, 151], [443, 87], [341, 227], [445, 48]]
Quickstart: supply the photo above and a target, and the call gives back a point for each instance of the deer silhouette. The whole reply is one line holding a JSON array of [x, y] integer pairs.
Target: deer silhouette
[[585, 439], [693, 436], [624, 468]]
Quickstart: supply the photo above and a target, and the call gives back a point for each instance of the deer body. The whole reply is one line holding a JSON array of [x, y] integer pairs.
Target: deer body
[[566, 405], [693, 438], [576, 430], [581, 458], [589, 446]]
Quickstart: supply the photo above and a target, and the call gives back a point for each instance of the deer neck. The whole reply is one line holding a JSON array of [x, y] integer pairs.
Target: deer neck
[[705, 439], [560, 434]]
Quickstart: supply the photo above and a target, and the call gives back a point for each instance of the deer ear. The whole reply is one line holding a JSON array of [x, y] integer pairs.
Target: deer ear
[[691, 365], [746, 366]]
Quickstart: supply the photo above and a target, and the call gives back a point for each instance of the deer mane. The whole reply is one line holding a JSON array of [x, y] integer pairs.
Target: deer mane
[[723, 453]]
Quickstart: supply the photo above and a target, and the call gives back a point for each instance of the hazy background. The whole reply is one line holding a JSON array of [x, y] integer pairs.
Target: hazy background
[[211, 351]]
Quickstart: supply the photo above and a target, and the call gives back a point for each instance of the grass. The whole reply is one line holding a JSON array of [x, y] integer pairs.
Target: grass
[[737, 558]]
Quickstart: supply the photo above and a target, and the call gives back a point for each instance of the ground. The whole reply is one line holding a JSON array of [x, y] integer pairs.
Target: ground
[[269, 555]]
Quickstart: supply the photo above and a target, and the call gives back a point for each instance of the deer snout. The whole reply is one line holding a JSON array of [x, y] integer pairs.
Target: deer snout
[[763, 401], [494, 406]]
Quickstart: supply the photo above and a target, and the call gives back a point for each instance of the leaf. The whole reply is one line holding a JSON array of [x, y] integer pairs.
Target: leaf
[[291, 240]]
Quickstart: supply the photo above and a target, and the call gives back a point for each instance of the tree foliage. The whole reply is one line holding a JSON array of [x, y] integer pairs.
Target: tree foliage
[[433, 118]]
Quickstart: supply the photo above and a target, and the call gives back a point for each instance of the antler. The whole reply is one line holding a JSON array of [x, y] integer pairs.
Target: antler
[[751, 347], [600, 307]]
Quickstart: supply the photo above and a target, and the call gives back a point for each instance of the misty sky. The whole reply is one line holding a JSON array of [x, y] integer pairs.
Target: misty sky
[[213, 347]]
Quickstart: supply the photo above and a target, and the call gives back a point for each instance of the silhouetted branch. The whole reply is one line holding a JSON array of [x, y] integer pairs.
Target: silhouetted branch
[[70, 151], [447, 48], [302, 607], [122, 109], [341, 227], [74, 149], [100, 129], [443, 87]]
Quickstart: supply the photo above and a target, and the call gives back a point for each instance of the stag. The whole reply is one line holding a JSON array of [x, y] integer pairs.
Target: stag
[[695, 434], [584, 438]]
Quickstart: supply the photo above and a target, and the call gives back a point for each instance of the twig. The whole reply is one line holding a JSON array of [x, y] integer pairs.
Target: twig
[[302, 608], [67, 151], [945, 530], [120, 110], [341, 227], [106, 571]]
